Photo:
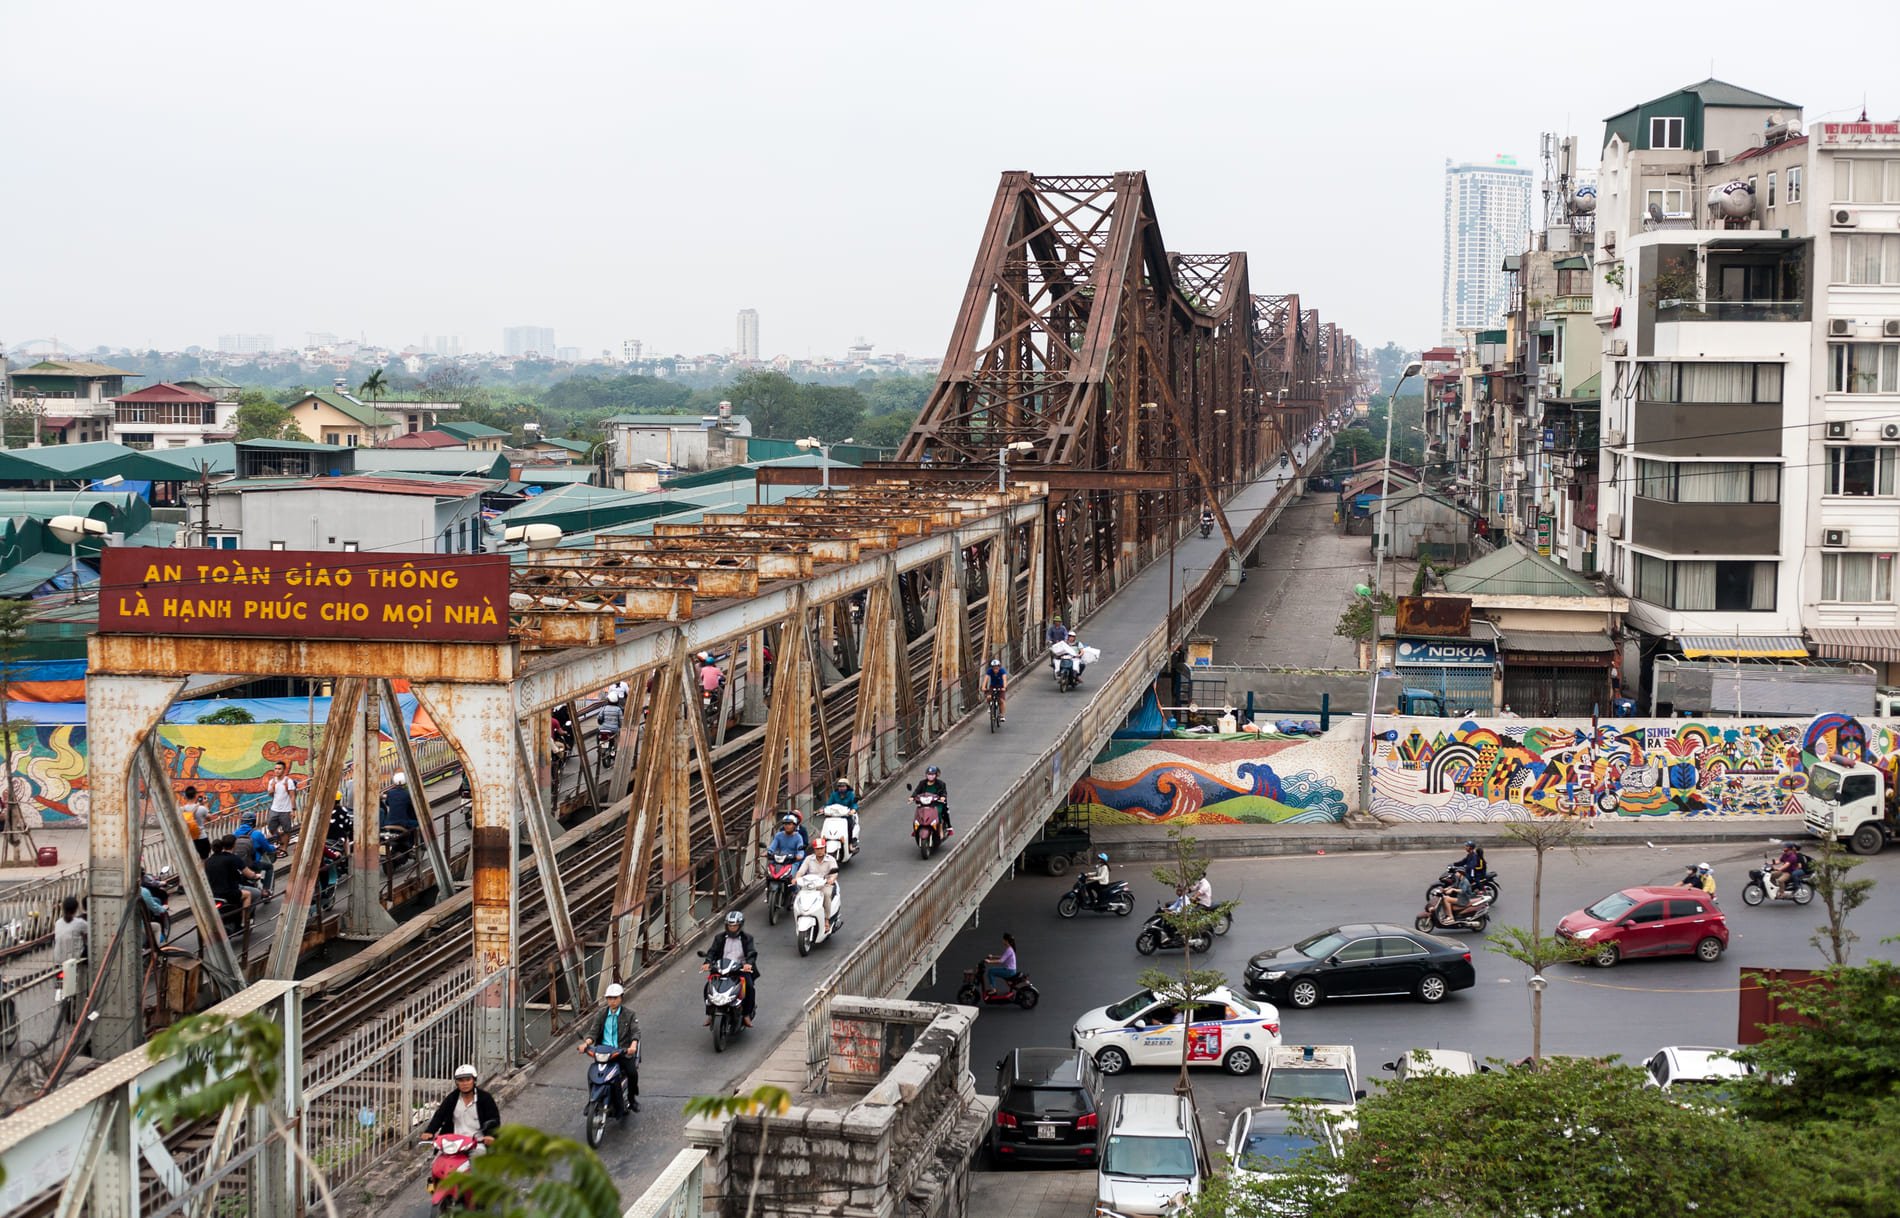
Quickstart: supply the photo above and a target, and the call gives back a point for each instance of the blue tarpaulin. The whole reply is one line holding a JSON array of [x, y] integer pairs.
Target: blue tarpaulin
[[1146, 723]]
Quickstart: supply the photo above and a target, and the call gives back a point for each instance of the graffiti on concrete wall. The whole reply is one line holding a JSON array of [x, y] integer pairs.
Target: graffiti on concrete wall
[[1269, 780], [1492, 769]]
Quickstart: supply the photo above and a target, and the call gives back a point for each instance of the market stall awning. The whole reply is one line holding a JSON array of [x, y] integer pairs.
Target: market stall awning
[[1742, 646], [1876, 646], [1570, 642]]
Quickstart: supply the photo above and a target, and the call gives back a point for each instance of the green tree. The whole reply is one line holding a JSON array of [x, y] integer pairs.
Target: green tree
[[1839, 1052], [1357, 621], [259, 418], [1578, 1137], [1185, 989], [1530, 946], [374, 386], [764, 1102], [228, 715], [530, 1174], [1840, 895], [771, 401], [885, 430], [224, 1063], [1354, 445]]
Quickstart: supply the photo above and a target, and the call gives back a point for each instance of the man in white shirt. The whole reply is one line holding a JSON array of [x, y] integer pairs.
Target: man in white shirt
[[820, 863], [283, 801]]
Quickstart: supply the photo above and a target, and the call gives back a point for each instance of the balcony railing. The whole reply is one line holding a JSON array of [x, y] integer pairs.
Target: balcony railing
[[1571, 304], [1731, 310]]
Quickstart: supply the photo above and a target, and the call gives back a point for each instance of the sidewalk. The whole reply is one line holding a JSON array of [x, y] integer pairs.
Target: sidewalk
[[1144, 843]]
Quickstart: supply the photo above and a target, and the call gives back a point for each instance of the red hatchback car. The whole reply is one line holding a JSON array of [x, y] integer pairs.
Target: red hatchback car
[[1649, 922]]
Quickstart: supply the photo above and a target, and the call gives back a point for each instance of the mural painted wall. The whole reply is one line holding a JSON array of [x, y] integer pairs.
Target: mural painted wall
[[1222, 780], [1481, 770], [1497, 769]]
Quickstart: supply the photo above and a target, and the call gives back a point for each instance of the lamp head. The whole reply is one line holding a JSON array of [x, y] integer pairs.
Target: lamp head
[[108, 480], [74, 529], [809, 443], [537, 536], [1411, 369]]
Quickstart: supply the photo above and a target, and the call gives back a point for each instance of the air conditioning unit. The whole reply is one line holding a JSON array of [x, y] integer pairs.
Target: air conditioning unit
[[1607, 241], [1619, 346], [1891, 327], [1836, 539], [1846, 217], [1839, 327], [1890, 431], [1712, 156], [1840, 431], [1613, 438], [1614, 523]]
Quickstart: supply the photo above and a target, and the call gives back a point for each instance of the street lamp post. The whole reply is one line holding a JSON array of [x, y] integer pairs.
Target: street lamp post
[[1002, 460], [1378, 565], [814, 444], [71, 528]]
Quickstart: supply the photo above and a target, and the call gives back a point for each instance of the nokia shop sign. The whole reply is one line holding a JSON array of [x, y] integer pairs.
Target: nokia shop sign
[[1446, 654]]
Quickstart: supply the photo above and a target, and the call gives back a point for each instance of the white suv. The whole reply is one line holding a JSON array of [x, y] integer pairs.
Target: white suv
[[1153, 1156]]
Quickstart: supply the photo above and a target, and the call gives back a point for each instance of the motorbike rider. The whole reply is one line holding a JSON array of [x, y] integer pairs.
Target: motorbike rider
[[844, 795], [1201, 892], [1000, 967], [1788, 869], [995, 680], [1700, 876], [467, 1110], [1207, 518], [820, 863], [788, 840], [733, 943], [399, 813], [255, 849], [1095, 880], [933, 784], [608, 722], [1069, 648], [1057, 632], [1473, 863], [1455, 896], [619, 1028]]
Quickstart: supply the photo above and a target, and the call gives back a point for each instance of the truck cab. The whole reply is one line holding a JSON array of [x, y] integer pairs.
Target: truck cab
[[1850, 802], [1420, 702]]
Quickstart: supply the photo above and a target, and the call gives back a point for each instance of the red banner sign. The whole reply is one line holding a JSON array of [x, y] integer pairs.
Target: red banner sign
[[304, 594]]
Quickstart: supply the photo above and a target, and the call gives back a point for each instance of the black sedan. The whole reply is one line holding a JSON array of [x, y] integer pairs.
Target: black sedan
[[1362, 961]]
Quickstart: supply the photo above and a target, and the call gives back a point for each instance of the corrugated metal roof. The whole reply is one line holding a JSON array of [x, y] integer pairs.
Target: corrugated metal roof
[[442, 488], [165, 391], [1511, 570], [349, 407], [696, 422], [1743, 646], [1875, 646], [1579, 642], [72, 367]]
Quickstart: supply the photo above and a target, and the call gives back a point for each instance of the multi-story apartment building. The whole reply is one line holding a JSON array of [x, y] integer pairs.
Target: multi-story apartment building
[[748, 336], [1487, 219], [517, 341], [171, 416]]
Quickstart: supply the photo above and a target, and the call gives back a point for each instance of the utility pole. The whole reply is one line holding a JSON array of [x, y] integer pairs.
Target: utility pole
[[204, 504]]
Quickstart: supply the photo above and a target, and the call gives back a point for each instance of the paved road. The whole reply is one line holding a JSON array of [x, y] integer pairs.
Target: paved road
[[1631, 1010], [980, 768], [1286, 611]]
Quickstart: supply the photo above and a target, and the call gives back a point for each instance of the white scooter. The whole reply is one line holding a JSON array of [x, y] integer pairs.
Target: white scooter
[[834, 825], [811, 928]]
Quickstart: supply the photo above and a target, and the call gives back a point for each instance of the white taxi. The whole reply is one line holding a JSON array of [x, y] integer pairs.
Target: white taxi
[[1145, 1029]]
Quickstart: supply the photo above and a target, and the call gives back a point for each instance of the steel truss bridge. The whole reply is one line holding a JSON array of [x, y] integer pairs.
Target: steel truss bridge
[[1097, 389]]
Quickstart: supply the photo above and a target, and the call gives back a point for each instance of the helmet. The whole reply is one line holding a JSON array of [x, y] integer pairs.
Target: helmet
[[931, 771], [614, 991], [843, 784], [1703, 867], [735, 918], [788, 819], [1102, 857], [400, 778], [465, 1071], [1072, 636], [1471, 845], [996, 661]]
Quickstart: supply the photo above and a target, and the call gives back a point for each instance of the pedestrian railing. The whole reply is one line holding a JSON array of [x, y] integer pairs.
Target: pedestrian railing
[[678, 1193]]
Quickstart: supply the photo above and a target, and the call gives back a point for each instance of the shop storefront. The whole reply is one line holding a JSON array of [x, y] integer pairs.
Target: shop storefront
[[1557, 672], [1460, 671]]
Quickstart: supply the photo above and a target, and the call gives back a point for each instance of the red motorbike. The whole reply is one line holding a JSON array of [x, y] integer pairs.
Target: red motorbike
[[926, 828], [1021, 992], [452, 1154], [779, 866]]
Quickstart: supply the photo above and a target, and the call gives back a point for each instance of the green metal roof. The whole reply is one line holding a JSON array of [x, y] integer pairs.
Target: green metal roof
[[555, 475], [469, 431], [26, 576], [1514, 571], [457, 462], [98, 459], [581, 447], [1715, 92], [182, 464], [368, 416], [1576, 262], [654, 420], [291, 446], [210, 380]]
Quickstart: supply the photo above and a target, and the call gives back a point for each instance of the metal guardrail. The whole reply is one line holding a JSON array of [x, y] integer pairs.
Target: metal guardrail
[[678, 1193]]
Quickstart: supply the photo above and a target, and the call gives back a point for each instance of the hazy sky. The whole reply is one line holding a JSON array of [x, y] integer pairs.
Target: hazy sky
[[400, 169]]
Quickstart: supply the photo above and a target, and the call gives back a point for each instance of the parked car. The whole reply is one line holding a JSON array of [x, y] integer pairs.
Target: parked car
[[1694, 1067], [1311, 1074], [1152, 1155], [1421, 1062], [1048, 1107], [1648, 922], [1265, 1141], [1144, 1029], [1358, 961]]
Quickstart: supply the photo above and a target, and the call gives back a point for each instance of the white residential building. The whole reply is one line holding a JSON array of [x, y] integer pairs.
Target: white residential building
[[1487, 219], [748, 347]]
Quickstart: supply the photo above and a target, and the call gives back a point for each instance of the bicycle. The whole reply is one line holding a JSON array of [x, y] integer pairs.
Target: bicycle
[[996, 709]]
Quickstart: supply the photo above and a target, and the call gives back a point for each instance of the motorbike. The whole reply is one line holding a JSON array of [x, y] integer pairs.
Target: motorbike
[[725, 1000], [1474, 916], [606, 1091], [1114, 898], [811, 927], [1022, 992], [1763, 885], [1486, 885], [1068, 675], [778, 877], [926, 829], [452, 1154], [1207, 526], [607, 747], [1157, 934], [834, 825], [336, 865]]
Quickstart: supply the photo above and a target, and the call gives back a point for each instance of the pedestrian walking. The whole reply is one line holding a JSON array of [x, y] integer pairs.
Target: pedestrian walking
[[194, 813], [283, 800]]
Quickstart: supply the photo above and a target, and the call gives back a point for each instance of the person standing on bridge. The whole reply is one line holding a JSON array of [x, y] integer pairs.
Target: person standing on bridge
[[194, 813], [283, 800]]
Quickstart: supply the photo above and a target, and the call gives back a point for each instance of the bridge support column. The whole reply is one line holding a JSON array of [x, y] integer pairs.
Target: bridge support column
[[479, 722], [121, 712], [363, 913]]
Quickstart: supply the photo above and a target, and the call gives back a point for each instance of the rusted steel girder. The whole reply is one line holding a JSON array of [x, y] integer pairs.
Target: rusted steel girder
[[1021, 474]]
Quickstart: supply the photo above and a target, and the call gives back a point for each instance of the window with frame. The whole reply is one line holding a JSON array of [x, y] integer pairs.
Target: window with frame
[[1665, 133], [1702, 586], [1866, 180], [1794, 184], [1861, 469], [1709, 481], [1771, 190], [1863, 367], [1712, 383], [1857, 579], [1667, 198], [1868, 259]]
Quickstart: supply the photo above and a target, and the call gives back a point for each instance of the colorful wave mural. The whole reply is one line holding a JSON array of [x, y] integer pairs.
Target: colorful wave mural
[[1484, 770], [1207, 780]]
